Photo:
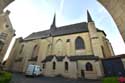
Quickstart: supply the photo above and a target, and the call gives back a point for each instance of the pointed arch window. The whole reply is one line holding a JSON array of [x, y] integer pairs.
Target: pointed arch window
[[35, 51], [59, 47], [54, 65], [89, 67], [44, 65], [66, 66], [21, 49], [79, 43]]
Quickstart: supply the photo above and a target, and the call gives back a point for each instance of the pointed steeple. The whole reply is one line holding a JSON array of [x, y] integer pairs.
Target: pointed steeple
[[54, 22], [89, 17]]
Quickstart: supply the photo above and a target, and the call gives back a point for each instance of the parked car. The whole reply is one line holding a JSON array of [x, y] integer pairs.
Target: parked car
[[33, 70]]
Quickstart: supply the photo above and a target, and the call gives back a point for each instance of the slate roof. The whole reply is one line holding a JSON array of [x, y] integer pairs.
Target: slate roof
[[49, 58], [64, 30], [70, 29], [71, 58], [122, 56], [84, 57], [38, 35], [60, 58]]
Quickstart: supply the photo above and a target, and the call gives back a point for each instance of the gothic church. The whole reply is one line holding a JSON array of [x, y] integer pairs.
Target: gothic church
[[72, 51]]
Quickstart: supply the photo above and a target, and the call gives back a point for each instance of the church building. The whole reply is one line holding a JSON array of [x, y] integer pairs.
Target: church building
[[72, 51]]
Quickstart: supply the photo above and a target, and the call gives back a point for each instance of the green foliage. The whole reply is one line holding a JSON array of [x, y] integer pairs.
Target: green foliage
[[110, 80], [5, 77]]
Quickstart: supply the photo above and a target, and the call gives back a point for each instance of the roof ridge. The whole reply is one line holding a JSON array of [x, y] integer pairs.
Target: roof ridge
[[71, 24]]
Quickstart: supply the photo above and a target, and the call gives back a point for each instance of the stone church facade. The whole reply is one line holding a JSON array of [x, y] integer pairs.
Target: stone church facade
[[73, 51]]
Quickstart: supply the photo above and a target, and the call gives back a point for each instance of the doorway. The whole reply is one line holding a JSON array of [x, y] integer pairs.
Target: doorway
[[82, 74]]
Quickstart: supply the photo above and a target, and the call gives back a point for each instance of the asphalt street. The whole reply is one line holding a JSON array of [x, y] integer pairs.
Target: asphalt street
[[20, 78]]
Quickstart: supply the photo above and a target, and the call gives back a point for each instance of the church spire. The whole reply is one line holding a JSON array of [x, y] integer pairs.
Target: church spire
[[89, 17], [54, 22]]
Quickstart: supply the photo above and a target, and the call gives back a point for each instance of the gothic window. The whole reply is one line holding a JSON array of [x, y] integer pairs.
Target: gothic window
[[66, 66], [44, 65], [35, 51], [89, 67], [21, 49], [59, 47], [79, 43], [54, 65], [68, 47]]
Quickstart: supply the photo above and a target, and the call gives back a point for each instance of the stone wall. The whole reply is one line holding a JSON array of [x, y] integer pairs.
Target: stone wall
[[117, 10], [6, 33]]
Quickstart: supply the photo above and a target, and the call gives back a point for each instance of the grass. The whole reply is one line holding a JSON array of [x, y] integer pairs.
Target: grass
[[5, 77], [110, 80]]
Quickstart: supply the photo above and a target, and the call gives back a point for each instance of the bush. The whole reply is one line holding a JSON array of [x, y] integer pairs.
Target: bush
[[110, 80], [121, 79], [5, 77]]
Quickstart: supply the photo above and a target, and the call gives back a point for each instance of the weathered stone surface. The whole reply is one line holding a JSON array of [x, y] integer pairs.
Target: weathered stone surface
[[6, 29], [4, 3], [117, 9]]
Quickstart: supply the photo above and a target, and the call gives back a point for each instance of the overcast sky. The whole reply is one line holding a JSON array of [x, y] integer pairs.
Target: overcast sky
[[29, 16]]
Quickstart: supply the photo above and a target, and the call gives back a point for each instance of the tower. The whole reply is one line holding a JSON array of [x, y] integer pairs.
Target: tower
[[96, 46], [52, 29]]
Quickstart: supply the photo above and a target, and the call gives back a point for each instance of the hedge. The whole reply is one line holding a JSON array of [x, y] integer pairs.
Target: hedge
[[5, 77], [110, 80]]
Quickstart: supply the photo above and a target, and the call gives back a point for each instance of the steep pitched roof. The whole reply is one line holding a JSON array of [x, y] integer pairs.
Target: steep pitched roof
[[89, 17], [60, 58], [54, 22], [64, 30], [70, 29], [38, 35], [48, 58]]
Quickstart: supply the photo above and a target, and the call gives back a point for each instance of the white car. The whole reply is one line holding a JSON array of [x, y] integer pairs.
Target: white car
[[33, 70]]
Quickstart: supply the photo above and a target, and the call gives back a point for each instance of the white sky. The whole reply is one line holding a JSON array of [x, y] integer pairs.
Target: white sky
[[29, 16]]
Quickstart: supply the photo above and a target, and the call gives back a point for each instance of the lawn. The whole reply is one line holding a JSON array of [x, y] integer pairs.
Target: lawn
[[110, 80], [5, 77]]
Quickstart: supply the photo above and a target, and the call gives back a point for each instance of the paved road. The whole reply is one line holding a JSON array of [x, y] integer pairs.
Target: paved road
[[19, 78]]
